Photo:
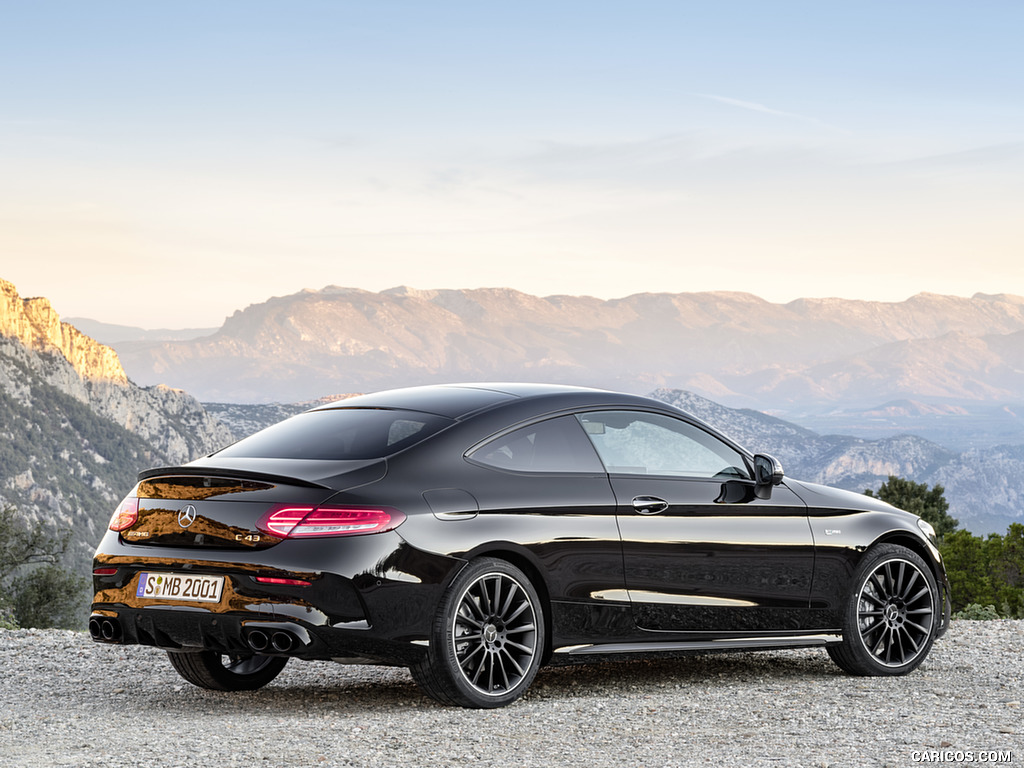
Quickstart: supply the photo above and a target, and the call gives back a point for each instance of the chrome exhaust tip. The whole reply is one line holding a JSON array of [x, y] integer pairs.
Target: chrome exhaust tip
[[109, 629], [95, 630], [258, 640], [282, 642]]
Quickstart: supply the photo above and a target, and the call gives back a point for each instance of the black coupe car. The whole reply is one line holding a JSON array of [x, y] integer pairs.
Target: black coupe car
[[476, 532]]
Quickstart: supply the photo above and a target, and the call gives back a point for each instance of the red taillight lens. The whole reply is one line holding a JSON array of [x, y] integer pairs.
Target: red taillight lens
[[283, 582], [280, 522], [307, 522], [126, 514], [104, 571]]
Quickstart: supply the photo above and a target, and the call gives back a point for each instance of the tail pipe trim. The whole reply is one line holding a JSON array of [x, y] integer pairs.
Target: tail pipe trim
[[104, 629]]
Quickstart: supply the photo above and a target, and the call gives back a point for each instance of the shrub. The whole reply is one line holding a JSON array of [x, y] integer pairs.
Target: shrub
[[975, 612], [35, 590], [48, 596]]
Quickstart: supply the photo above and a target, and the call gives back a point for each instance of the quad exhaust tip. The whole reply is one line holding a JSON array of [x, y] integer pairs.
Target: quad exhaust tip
[[104, 629], [258, 640], [282, 642], [278, 641]]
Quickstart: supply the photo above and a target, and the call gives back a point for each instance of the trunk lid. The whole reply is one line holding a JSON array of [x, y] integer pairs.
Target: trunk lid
[[218, 507]]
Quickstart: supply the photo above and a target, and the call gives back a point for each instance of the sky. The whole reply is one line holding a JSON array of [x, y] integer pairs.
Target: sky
[[165, 164]]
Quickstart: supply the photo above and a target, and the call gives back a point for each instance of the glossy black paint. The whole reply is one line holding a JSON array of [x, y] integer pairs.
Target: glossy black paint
[[723, 563]]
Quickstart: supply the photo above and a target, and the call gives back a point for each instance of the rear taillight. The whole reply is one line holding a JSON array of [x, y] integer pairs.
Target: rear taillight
[[289, 522], [126, 514]]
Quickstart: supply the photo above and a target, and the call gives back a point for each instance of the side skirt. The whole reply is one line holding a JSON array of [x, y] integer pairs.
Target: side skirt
[[734, 644]]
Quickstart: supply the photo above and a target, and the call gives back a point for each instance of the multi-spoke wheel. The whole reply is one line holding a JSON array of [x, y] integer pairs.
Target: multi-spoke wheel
[[488, 638], [891, 615], [223, 672]]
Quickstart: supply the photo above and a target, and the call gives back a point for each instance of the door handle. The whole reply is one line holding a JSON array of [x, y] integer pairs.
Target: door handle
[[649, 505]]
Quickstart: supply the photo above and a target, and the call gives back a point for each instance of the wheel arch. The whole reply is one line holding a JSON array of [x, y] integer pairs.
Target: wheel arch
[[915, 545], [932, 557], [523, 560]]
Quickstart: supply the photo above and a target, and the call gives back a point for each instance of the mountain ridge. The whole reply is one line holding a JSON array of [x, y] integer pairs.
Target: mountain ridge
[[734, 346]]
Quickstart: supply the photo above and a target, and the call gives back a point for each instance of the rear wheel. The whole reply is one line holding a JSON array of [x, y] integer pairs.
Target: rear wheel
[[487, 640], [224, 672], [890, 616]]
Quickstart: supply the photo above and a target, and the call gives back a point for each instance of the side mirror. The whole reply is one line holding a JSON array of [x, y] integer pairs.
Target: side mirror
[[767, 473]]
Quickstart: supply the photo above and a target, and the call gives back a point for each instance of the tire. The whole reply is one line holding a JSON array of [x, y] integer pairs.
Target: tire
[[219, 672], [891, 614], [487, 640]]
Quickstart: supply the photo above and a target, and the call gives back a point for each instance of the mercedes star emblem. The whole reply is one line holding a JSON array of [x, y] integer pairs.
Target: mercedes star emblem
[[187, 516]]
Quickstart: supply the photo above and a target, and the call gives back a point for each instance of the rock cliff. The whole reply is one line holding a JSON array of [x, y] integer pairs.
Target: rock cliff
[[35, 323], [33, 336]]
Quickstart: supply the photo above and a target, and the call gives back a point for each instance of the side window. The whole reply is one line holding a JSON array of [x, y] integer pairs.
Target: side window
[[555, 445], [637, 443]]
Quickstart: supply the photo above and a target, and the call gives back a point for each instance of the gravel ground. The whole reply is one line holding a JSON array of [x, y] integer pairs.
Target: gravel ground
[[66, 701]]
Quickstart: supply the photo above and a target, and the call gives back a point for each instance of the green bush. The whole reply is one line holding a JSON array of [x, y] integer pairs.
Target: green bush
[[7, 619], [48, 596], [975, 612], [35, 589]]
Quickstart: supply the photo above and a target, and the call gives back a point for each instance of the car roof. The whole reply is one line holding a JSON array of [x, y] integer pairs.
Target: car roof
[[456, 401]]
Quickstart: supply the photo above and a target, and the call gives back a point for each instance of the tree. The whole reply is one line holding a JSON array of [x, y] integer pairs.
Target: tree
[[1006, 565], [35, 591], [967, 567], [928, 504]]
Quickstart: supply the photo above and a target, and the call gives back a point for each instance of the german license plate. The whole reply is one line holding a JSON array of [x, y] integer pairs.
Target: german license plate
[[180, 586]]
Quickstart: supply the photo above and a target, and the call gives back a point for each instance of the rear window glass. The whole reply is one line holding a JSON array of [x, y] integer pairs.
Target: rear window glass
[[339, 434]]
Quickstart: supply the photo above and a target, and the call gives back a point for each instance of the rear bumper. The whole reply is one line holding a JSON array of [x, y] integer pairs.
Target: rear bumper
[[369, 597], [179, 629]]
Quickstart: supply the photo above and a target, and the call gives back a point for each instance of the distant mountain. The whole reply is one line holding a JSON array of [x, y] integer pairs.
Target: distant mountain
[[110, 333], [739, 349], [74, 431], [958, 426]]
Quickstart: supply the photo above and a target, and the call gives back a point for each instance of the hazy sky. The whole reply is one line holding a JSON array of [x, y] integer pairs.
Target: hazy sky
[[163, 164]]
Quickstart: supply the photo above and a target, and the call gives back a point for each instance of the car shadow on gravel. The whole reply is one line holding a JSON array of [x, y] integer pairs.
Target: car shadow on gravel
[[315, 686], [704, 669]]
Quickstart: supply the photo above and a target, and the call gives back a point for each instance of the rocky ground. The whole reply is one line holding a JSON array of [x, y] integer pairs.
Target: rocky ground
[[66, 701]]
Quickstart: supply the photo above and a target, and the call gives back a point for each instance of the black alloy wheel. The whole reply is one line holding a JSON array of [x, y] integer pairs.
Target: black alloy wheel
[[890, 618], [488, 638], [224, 672]]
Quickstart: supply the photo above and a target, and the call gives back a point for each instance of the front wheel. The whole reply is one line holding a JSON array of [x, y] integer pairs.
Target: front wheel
[[221, 672], [487, 640], [890, 616]]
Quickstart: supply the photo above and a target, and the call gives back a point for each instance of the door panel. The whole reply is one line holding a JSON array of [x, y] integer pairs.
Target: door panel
[[705, 566], [700, 551]]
